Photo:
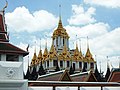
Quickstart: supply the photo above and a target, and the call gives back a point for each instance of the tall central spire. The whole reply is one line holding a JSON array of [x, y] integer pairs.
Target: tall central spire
[[60, 21]]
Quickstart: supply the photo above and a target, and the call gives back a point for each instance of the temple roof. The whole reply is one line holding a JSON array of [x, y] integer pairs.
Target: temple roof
[[77, 55], [56, 76], [115, 75], [65, 55], [34, 59], [7, 48], [52, 52], [60, 31], [45, 53], [39, 58], [84, 77], [88, 56], [3, 32]]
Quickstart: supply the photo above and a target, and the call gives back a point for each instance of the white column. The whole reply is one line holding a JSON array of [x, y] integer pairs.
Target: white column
[[59, 63], [3, 57], [58, 41], [51, 63], [62, 41], [88, 64], [77, 65]]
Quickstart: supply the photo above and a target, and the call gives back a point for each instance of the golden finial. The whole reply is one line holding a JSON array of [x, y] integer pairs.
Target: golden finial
[[40, 43], [87, 42], [60, 11], [80, 43]]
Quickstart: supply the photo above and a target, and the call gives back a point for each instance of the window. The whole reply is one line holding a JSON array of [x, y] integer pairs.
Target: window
[[47, 63], [68, 64], [63, 41], [80, 64], [12, 58], [57, 41], [61, 63], [85, 65], [91, 65], [54, 62]]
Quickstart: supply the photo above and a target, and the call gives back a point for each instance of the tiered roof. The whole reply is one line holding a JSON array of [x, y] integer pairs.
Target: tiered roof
[[5, 46], [77, 55], [60, 31], [52, 53], [64, 55], [88, 55], [34, 59], [45, 54]]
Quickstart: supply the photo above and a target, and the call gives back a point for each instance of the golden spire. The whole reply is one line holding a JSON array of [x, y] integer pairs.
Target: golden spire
[[64, 49], [60, 31], [65, 55], [52, 52], [34, 59], [60, 21], [45, 52], [40, 54], [76, 55], [88, 55], [52, 48], [80, 53]]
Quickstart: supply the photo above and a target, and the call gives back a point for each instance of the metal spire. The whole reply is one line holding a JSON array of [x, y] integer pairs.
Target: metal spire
[[40, 43], [80, 43], [87, 42], [60, 11], [100, 66], [107, 62]]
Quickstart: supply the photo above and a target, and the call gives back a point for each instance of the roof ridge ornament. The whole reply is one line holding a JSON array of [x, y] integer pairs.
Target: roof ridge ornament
[[3, 9]]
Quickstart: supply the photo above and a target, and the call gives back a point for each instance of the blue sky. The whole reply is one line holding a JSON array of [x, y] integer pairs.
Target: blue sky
[[30, 20]]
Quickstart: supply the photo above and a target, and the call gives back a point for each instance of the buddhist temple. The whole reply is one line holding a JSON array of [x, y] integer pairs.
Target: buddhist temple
[[61, 56]]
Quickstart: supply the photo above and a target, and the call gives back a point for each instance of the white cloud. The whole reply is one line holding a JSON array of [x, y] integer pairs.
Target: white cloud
[[106, 3], [91, 30], [22, 20], [81, 16], [108, 44]]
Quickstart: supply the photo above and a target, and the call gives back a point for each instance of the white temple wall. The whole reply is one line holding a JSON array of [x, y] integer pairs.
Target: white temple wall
[[77, 65], [88, 66], [51, 63]]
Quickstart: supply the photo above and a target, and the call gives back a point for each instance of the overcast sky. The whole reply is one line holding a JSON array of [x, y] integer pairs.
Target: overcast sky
[[30, 20]]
